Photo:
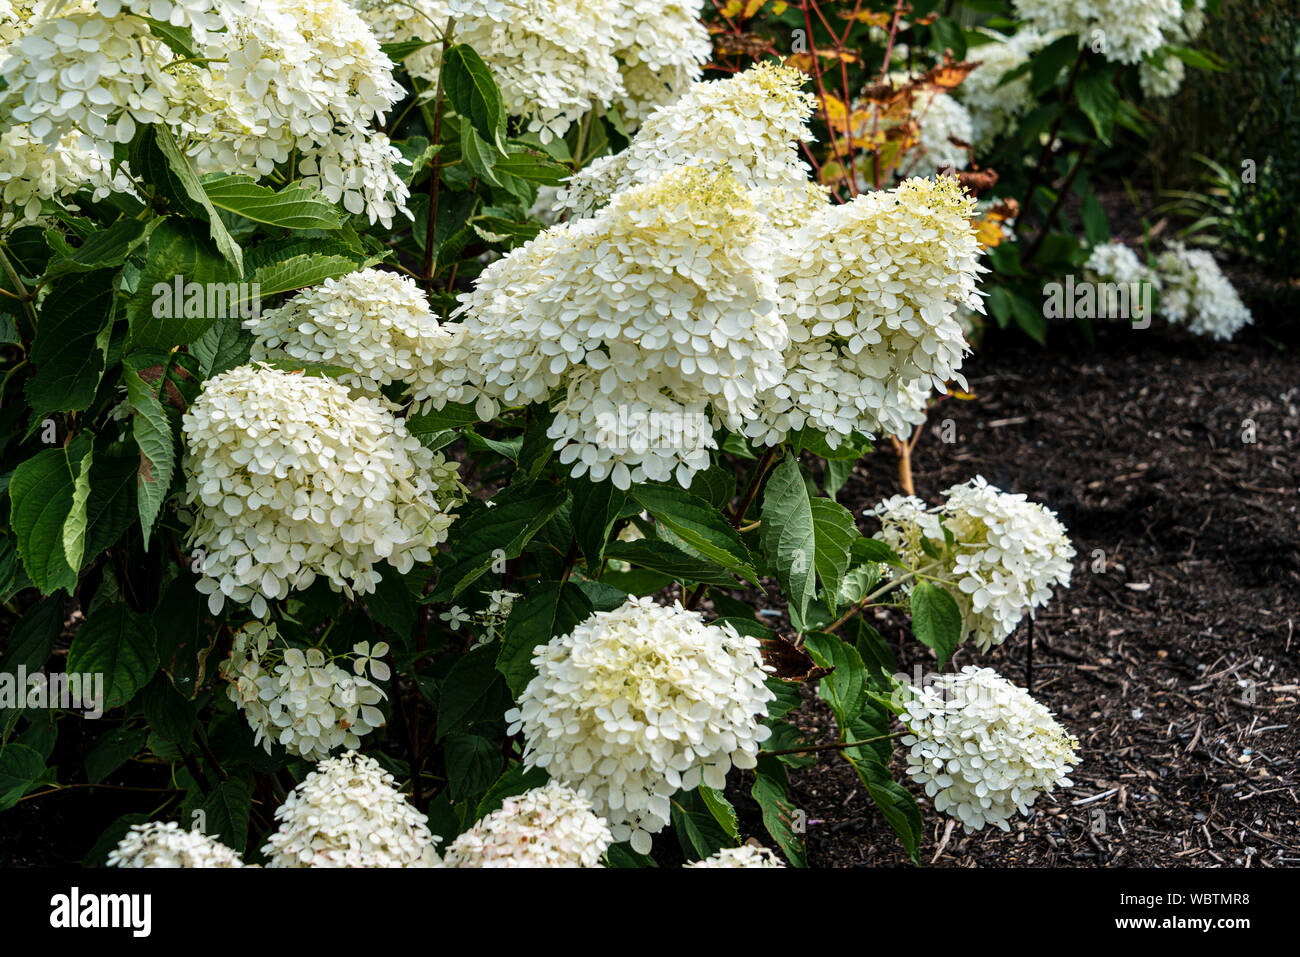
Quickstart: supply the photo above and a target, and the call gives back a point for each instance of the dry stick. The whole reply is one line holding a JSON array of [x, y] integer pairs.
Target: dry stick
[[25, 297], [821, 88], [947, 833], [1029, 660], [764, 464]]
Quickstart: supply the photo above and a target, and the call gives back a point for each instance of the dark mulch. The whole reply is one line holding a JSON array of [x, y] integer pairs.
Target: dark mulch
[[1140, 445]]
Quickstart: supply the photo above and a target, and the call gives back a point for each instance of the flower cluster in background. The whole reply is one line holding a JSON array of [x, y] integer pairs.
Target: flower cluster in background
[[747, 855], [982, 748]]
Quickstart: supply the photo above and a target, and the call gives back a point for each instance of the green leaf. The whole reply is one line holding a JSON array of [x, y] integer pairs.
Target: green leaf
[[472, 694], [302, 270], [845, 687], [548, 609], [33, 638], [596, 507], [497, 534], [71, 344], [183, 289], [936, 620], [224, 346], [226, 811], [107, 249], [698, 831], [153, 433], [873, 550], [111, 508], [170, 714], [948, 35], [42, 496], [1100, 101], [20, 768], [1095, 225], [297, 206], [1050, 61], [835, 533], [472, 92], [532, 166], [393, 605], [722, 810], [111, 750], [74, 526], [473, 763], [670, 560], [107, 842], [698, 524], [781, 818], [516, 779], [788, 534], [158, 160], [119, 644], [451, 416]]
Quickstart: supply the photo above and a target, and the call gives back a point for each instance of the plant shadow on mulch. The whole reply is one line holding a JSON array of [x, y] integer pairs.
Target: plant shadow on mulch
[[1174, 464]]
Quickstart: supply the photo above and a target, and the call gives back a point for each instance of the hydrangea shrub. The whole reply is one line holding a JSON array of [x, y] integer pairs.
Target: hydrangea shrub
[[410, 407]]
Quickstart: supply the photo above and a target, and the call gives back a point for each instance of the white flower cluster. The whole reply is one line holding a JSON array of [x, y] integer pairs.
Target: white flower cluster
[[662, 46], [557, 60], [549, 826], [1006, 556], [347, 813], [32, 171], [869, 291], [751, 122], [375, 323], [268, 77], [1125, 31], [1162, 73], [747, 855], [290, 477], [1194, 292], [942, 120], [650, 315], [159, 844], [637, 703], [982, 748], [303, 700], [1117, 263], [994, 108]]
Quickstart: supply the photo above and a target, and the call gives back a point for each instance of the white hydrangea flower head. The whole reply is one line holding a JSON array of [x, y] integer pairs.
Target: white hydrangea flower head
[[869, 291], [995, 109], [31, 171], [1162, 76], [347, 813], [662, 46], [752, 122], [377, 324], [982, 748], [549, 826], [15, 17], [1007, 555], [290, 477], [1194, 292], [78, 69], [403, 21], [305, 700], [656, 317], [640, 702], [1116, 264], [747, 855], [362, 171], [942, 119], [1125, 30], [166, 844]]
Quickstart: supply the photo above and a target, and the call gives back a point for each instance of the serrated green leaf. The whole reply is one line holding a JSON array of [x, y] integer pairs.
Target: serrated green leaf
[[936, 620], [153, 434], [119, 644], [71, 344], [296, 206], [549, 609]]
